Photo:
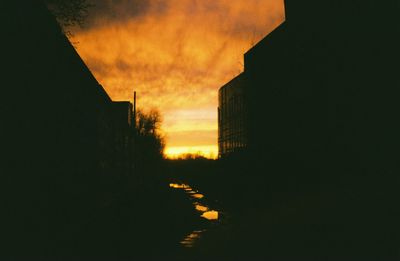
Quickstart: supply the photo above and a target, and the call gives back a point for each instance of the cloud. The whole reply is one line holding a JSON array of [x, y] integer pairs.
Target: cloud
[[103, 12], [174, 53], [191, 138]]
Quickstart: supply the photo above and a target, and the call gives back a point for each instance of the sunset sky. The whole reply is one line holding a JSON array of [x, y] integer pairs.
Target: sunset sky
[[176, 54]]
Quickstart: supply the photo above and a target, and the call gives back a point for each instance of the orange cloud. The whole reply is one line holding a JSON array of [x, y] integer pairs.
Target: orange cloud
[[175, 54]]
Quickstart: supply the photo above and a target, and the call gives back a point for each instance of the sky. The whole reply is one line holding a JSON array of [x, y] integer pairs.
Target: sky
[[176, 54]]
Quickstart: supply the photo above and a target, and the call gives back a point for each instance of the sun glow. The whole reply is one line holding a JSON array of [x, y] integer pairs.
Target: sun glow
[[210, 152]]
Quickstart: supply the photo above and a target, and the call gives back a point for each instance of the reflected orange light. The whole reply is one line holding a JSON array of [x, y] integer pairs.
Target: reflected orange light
[[201, 208], [191, 239], [211, 215], [198, 196], [179, 186]]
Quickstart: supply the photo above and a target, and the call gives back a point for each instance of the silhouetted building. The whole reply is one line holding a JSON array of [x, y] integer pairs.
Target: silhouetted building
[[322, 99], [122, 117], [315, 78], [61, 135], [232, 117]]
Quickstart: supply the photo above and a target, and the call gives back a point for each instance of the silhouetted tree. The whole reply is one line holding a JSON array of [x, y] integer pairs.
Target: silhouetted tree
[[150, 140], [192, 156]]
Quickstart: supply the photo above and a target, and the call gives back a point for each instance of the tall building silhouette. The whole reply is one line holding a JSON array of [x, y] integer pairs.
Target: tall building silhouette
[[314, 87], [232, 117], [322, 125], [61, 134]]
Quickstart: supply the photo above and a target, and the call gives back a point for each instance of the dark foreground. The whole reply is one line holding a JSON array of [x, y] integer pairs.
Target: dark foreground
[[291, 219], [281, 220]]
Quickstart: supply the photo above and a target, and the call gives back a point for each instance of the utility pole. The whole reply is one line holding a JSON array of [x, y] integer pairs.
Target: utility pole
[[134, 130], [134, 109]]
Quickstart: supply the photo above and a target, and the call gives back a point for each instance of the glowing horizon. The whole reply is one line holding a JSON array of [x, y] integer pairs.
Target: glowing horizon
[[210, 152], [176, 54]]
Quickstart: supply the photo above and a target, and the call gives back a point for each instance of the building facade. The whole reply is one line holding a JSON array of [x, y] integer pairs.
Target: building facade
[[313, 86], [232, 117]]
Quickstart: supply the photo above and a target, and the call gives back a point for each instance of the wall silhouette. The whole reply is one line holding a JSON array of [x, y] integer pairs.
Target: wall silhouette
[[323, 83], [63, 146], [322, 93]]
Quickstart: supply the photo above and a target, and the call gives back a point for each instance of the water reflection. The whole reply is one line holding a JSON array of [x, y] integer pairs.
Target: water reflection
[[178, 186], [198, 196], [200, 206], [206, 213], [210, 215], [191, 238]]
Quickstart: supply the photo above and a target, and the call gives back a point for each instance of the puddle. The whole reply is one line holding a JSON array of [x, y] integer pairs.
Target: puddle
[[204, 212], [178, 186], [198, 196], [200, 207], [190, 239], [211, 215]]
